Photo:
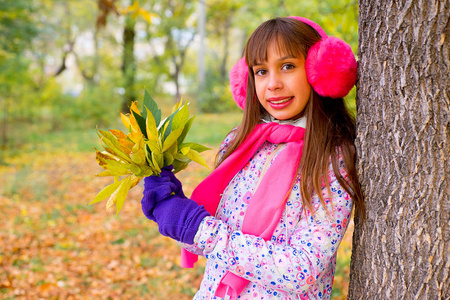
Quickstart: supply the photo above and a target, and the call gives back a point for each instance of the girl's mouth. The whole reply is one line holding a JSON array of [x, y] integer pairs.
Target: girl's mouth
[[279, 103]]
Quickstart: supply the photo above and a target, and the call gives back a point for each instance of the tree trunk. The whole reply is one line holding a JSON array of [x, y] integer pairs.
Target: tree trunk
[[129, 64], [402, 250]]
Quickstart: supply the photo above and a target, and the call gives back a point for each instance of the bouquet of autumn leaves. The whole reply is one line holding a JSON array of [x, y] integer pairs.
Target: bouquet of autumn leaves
[[150, 145]]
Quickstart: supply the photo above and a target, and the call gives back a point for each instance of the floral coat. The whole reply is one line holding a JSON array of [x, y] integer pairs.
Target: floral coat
[[298, 262]]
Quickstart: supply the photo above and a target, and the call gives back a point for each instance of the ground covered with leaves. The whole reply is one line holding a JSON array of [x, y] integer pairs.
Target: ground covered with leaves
[[54, 246]]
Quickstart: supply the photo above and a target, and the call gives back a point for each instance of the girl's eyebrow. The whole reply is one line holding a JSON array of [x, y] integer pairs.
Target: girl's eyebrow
[[281, 59], [287, 57]]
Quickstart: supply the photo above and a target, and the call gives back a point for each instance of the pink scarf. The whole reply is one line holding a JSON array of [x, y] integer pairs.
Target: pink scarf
[[267, 204]]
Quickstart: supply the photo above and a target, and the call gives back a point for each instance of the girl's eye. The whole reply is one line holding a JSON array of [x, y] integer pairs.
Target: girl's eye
[[288, 67], [260, 72]]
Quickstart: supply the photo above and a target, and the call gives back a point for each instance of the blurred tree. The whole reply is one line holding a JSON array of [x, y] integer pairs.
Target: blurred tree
[[132, 11], [17, 28], [177, 30], [128, 62]]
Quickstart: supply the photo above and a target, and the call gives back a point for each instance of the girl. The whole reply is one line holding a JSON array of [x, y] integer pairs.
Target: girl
[[270, 217]]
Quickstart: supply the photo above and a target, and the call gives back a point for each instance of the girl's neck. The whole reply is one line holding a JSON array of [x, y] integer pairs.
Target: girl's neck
[[300, 122]]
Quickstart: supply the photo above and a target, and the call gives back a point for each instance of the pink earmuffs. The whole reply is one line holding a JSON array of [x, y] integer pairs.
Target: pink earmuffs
[[330, 68]]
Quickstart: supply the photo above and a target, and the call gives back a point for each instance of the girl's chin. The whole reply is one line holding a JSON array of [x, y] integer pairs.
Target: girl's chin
[[285, 116]]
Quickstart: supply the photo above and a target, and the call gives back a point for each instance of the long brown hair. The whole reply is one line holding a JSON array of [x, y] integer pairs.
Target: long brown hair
[[330, 129]]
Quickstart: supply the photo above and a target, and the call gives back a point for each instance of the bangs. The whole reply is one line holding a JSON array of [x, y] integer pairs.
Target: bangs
[[285, 34]]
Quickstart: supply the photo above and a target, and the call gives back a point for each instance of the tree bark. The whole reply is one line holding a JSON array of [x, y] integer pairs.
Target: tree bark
[[402, 250]]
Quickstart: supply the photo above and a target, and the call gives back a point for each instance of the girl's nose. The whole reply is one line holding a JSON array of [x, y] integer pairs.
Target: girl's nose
[[274, 83]]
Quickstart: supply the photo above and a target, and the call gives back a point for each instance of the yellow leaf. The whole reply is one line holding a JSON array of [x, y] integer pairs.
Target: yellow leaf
[[150, 123], [177, 105], [134, 125], [134, 136], [195, 156], [125, 120], [101, 158], [122, 194], [171, 138], [138, 145], [106, 173], [118, 169], [107, 191], [135, 181], [118, 196], [185, 150], [113, 147]]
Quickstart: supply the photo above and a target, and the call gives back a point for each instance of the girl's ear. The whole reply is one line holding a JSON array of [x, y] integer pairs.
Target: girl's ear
[[331, 68], [238, 82], [330, 64]]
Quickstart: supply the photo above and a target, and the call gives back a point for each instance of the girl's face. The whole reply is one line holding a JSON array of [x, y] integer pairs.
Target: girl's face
[[281, 85]]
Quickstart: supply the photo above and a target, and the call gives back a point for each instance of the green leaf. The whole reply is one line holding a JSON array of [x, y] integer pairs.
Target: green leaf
[[181, 117], [168, 159], [106, 192], [148, 155], [173, 149], [141, 123], [172, 138], [167, 125], [136, 170], [182, 158], [158, 161], [153, 146], [186, 129], [146, 171], [195, 156], [179, 166], [138, 157], [197, 147], [151, 105]]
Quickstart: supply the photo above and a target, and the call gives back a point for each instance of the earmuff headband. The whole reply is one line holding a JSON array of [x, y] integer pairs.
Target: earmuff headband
[[330, 68]]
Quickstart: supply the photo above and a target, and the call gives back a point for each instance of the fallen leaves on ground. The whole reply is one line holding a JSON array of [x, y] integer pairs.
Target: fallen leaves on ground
[[54, 246]]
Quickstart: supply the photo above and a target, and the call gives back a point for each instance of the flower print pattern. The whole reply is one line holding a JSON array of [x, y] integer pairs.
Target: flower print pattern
[[298, 262]]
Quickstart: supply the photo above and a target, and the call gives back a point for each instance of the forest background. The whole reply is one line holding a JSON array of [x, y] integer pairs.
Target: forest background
[[67, 67]]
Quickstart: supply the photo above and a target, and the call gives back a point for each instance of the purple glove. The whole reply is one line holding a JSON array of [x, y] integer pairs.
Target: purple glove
[[167, 171], [157, 188], [179, 218]]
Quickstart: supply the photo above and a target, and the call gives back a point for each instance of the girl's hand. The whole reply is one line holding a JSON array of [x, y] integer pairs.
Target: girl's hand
[[167, 171], [156, 189], [179, 218]]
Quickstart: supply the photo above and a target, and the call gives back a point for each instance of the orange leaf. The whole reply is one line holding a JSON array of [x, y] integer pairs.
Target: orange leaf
[[118, 134], [134, 107], [126, 144]]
